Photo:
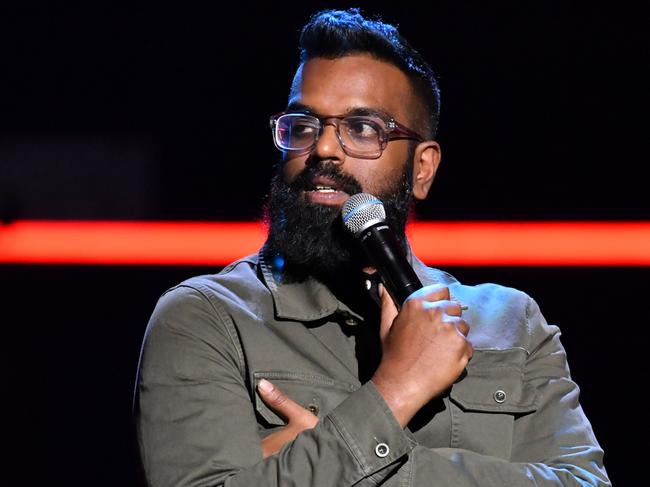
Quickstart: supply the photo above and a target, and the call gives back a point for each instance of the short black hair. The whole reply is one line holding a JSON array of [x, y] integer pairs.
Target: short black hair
[[332, 34]]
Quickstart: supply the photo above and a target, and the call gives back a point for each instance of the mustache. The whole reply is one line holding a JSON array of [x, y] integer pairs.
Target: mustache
[[344, 182]]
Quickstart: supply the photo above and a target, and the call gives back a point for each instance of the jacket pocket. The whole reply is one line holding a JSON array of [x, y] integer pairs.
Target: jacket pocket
[[318, 393], [486, 401]]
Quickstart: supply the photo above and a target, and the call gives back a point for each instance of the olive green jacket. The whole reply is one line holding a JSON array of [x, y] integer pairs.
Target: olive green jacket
[[512, 420]]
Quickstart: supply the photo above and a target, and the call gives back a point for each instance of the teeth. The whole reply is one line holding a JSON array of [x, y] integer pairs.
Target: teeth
[[325, 189]]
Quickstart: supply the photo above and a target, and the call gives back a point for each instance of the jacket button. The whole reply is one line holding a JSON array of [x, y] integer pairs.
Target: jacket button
[[382, 450], [313, 408], [500, 396], [351, 322]]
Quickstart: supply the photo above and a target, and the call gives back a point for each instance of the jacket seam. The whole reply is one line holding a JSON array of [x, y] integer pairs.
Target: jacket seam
[[225, 320], [353, 448]]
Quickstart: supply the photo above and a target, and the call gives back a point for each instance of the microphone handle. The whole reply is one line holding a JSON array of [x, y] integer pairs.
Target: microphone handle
[[387, 255]]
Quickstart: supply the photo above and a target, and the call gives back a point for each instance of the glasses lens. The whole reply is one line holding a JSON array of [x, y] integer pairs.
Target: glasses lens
[[362, 135], [295, 131]]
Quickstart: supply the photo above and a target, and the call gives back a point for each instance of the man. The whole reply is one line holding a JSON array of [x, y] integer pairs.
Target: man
[[295, 367]]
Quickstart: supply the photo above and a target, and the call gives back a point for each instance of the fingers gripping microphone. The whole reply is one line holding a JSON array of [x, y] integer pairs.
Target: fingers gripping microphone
[[365, 217]]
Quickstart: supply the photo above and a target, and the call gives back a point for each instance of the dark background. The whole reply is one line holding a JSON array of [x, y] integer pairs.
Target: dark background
[[159, 113]]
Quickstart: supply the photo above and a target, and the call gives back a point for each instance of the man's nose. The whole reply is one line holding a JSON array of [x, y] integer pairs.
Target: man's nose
[[328, 145]]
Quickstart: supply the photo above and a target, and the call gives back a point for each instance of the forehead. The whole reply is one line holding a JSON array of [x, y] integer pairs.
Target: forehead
[[338, 86]]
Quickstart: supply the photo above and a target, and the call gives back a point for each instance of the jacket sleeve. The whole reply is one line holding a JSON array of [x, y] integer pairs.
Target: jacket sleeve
[[553, 446], [196, 424]]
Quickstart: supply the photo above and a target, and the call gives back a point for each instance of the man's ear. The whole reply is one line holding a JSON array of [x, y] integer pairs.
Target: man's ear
[[425, 164]]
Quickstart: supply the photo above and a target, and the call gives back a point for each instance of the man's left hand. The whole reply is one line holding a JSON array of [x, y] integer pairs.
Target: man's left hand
[[298, 418]]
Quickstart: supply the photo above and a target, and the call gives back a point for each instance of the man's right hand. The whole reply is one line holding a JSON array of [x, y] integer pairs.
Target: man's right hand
[[298, 418], [425, 349]]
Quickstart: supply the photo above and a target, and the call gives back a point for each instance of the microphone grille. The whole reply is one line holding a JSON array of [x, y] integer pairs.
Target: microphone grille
[[362, 210]]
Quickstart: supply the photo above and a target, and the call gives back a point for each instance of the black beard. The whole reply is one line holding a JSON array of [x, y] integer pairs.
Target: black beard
[[307, 239]]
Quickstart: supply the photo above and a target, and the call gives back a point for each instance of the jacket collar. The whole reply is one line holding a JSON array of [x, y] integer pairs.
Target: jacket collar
[[311, 300]]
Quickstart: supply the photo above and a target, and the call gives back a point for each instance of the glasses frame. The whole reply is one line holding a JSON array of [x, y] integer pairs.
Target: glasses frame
[[393, 131]]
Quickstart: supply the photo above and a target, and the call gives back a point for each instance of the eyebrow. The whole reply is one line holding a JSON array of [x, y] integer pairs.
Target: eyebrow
[[351, 111]]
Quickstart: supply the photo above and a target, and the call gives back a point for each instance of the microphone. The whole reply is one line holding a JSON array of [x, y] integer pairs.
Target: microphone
[[364, 217]]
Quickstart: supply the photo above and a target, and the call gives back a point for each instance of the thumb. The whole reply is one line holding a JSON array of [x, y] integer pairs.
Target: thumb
[[388, 313], [280, 403]]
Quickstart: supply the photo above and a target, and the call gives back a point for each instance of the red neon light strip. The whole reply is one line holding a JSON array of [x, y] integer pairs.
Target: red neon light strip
[[219, 243]]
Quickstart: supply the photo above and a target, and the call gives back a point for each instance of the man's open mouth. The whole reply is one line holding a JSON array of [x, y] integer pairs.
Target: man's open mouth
[[324, 189], [324, 184]]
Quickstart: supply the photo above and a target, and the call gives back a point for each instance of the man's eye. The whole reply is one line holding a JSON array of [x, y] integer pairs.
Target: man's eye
[[362, 128], [302, 130]]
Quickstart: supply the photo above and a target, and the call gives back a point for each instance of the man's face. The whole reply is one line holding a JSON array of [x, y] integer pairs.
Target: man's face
[[340, 87], [308, 192]]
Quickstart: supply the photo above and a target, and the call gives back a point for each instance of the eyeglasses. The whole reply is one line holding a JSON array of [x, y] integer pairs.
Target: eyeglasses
[[360, 136]]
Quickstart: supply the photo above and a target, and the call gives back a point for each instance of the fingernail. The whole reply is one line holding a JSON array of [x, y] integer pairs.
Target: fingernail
[[381, 290], [265, 386]]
